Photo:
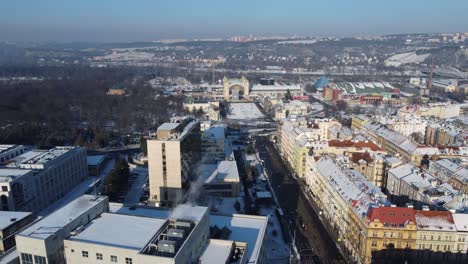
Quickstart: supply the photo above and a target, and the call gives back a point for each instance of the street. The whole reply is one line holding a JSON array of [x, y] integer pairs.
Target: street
[[311, 237]]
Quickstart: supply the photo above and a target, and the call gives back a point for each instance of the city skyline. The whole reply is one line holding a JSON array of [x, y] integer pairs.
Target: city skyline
[[113, 21]]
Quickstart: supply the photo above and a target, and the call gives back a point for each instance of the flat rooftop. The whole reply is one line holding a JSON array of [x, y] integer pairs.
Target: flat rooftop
[[38, 157], [182, 211], [154, 212], [245, 228], [10, 174], [217, 251], [4, 148], [224, 171], [115, 230], [50, 224], [8, 218], [215, 132], [168, 126]]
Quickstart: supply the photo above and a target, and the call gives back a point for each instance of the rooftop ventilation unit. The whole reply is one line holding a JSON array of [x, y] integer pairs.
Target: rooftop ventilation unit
[[175, 234], [167, 246]]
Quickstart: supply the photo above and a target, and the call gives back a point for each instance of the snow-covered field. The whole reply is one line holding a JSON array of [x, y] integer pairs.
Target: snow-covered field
[[244, 111], [405, 58]]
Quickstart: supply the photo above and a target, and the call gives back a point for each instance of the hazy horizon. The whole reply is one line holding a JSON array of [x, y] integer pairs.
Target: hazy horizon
[[145, 20]]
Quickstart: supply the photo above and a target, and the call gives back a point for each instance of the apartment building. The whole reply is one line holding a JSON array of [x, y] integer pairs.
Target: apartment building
[[35, 179], [90, 230], [452, 173], [297, 137], [171, 158], [344, 196], [389, 227], [461, 241], [405, 126], [371, 165], [293, 108], [209, 108], [436, 232]]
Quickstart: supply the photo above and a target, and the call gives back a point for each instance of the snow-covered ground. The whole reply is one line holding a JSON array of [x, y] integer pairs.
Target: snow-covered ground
[[244, 111], [79, 190], [224, 205], [136, 189], [278, 251], [405, 58]]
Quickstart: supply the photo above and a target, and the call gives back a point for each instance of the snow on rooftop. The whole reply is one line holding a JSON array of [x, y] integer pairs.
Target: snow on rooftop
[[50, 224], [188, 212], [8, 218], [9, 174], [215, 132], [225, 171], [461, 222], [131, 232], [276, 86], [217, 251], [435, 220], [154, 212], [402, 170], [248, 229], [168, 126]]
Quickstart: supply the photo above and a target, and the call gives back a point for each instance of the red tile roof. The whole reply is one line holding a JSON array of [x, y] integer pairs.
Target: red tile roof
[[351, 143], [357, 156], [433, 217], [392, 216]]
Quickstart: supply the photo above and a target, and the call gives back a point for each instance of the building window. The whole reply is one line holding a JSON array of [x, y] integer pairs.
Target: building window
[[385, 234], [84, 254], [374, 243], [4, 188], [26, 258], [113, 258], [39, 260], [128, 261], [374, 234], [98, 256]]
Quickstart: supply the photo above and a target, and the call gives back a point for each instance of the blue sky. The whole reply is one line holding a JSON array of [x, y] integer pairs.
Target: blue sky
[[146, 20]]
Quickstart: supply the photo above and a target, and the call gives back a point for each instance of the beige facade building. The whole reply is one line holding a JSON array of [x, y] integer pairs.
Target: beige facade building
[[171, 157], [210, 108], [235, 89], [436, 232]]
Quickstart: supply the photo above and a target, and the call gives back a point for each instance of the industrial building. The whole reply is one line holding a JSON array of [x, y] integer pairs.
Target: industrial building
[[90, 230]]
